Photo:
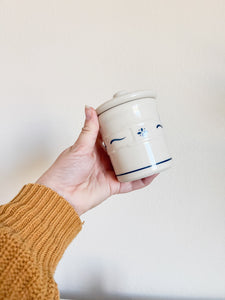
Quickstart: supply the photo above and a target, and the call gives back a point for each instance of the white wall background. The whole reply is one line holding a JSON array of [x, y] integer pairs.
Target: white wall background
[[55, 56]]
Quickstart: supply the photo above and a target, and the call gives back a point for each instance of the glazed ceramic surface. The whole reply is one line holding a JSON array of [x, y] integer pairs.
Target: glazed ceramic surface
[[133, 135]]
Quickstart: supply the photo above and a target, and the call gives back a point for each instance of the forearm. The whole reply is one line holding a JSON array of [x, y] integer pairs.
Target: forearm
[[35, 229]]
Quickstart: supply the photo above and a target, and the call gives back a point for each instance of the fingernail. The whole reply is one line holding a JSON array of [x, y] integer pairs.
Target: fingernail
[[88, 112]]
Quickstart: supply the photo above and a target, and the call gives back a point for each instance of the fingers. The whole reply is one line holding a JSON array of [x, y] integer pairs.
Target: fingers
[[126, 187], [100, 142], [90, 129], [148, 180], [141, 183]]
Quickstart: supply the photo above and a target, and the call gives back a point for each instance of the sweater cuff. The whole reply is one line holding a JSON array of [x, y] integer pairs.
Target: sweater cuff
[[44, 220]]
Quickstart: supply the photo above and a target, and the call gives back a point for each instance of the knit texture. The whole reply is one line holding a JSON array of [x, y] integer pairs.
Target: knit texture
[[35, 229]]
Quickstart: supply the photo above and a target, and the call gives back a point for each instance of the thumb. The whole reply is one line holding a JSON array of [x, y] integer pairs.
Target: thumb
[[90, 129]]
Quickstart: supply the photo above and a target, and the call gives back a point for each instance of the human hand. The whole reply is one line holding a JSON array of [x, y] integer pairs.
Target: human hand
[[83, 173]]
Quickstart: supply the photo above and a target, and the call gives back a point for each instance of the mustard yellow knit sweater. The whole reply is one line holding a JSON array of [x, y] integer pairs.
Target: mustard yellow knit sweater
[[35, 229]]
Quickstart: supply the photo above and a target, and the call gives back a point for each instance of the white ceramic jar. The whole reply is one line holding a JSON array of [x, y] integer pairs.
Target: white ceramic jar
[[133, 135]]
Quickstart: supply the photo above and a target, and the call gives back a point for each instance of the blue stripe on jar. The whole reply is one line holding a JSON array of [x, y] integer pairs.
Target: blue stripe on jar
[[158, 163]]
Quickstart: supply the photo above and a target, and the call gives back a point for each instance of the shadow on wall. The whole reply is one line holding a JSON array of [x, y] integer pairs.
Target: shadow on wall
[[95, 291], [96, 282], [118, 297]]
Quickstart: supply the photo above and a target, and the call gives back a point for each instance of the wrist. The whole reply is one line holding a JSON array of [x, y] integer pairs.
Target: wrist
[[47, 182]]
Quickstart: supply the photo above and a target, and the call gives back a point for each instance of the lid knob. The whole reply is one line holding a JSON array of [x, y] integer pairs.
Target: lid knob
[[120, 93], [123, 97]]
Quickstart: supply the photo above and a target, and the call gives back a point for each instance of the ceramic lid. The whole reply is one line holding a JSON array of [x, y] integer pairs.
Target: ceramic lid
[[123, 97]]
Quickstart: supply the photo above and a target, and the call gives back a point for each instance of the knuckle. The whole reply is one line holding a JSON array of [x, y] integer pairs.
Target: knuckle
[[85, 129], [78, 148], [92, 131]]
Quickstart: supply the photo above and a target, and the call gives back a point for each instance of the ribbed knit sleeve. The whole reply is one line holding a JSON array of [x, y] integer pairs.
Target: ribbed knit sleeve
[[35, 229]]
